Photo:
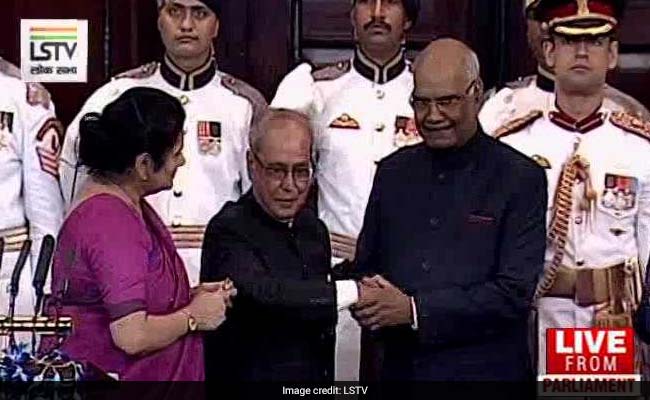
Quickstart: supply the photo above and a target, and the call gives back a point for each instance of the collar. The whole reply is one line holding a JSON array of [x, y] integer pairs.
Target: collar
[[565, 121], [376, 73], [186, 81], [460, 157], [264, 216], [545, 80]]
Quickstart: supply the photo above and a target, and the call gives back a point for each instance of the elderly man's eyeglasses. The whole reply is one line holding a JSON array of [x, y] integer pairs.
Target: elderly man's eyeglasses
[[301, 174], [444, 103]]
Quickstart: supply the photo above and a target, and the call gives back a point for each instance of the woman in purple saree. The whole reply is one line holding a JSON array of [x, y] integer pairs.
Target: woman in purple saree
[[116, 270]]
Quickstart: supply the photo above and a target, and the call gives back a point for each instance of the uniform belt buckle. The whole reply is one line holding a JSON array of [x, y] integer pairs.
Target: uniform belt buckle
[[584, 289]]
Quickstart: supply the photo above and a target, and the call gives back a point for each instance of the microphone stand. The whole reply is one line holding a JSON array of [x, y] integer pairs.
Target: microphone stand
[[58, 326], [15, 286], [40, 276]]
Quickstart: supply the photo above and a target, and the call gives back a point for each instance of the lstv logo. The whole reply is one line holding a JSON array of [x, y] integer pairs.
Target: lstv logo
[[590, 362], [52, 43]]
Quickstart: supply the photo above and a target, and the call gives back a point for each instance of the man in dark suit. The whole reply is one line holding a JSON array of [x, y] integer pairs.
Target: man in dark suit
[[277, 252], [454, 235]]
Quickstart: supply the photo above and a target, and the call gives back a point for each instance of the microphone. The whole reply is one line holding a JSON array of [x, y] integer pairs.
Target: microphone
[[40, 276], [42, 268], [2, 250], [15, 276], [14, 285]]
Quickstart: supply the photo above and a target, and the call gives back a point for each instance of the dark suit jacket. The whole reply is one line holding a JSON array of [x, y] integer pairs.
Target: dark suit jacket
[[642, 315], [281, 327], [463, 231]]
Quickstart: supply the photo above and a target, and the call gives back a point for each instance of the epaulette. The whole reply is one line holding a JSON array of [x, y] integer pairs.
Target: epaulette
[[329, 72], [521, 82], [243, 89], [36, 93], [627, 102], [8, 69], [630, 123], [517, 124], [143, 71], [489, 94]]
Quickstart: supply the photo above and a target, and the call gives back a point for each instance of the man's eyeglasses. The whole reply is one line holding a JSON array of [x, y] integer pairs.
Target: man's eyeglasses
[[301, 174], [444, 103]]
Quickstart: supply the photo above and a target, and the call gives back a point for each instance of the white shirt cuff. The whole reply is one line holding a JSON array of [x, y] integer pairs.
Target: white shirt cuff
[[347, 294], [414, 312]]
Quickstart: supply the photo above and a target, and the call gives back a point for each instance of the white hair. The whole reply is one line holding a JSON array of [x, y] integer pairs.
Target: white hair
[[273, 115], [474, 66]]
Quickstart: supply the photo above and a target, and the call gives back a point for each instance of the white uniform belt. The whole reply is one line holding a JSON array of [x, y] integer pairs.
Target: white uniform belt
[[14, 237], [188, 236]]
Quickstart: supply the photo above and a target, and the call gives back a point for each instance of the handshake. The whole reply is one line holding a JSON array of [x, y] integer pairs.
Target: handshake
[[381, 304], [210, 302]]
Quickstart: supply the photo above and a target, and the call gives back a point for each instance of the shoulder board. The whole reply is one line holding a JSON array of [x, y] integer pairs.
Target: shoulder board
[[517, 124], [627, 102], [489, 94], [632, 124], [36, 93], [243, 89], [329, 72], [143, 71], [521, 82], [8, 69]]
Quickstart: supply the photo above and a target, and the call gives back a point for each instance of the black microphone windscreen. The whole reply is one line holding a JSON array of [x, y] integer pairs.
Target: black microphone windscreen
[[2, 251], [43, 263], [18, 268]]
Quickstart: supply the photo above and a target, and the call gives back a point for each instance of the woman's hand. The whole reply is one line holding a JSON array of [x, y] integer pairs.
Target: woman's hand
[[209, 304], [225, 285]]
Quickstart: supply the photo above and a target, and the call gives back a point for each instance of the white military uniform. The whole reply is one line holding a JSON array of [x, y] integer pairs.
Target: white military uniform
[[608, 222], [219, 113], [31, 205], [361, 114], [536, 92]]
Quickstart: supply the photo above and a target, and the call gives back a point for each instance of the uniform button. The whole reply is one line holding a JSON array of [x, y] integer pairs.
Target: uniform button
[[380, 94], [434, 222], [178, 193], [184, 100], [426, 267], [380, 127], [580, 262], [617, 231], [442, 177], [578, 220]]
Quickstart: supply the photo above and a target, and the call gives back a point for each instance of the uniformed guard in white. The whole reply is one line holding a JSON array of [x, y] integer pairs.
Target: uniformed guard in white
[[220, 110], [535, 92], [31, 205], [361, 113], [599, 178]]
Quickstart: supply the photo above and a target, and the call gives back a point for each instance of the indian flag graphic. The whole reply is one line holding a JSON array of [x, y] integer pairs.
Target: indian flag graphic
[[53, 33]]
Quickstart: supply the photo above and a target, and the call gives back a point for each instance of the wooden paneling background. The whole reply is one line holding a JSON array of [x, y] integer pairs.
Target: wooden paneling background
[[261, 40]]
